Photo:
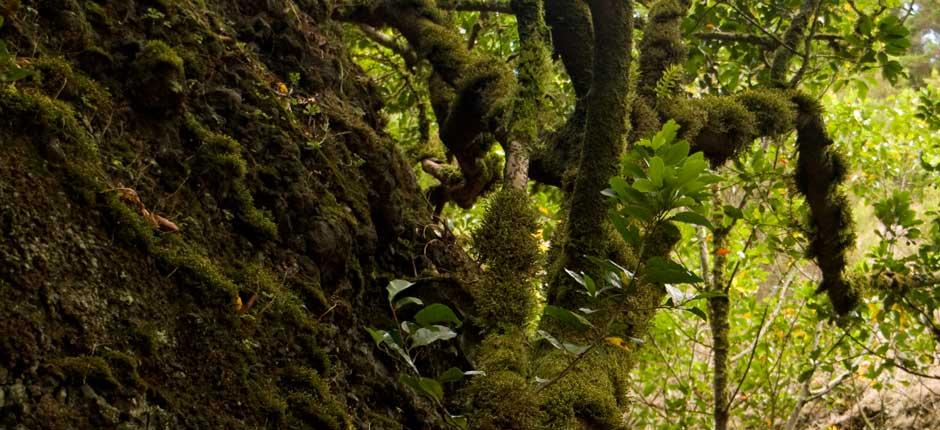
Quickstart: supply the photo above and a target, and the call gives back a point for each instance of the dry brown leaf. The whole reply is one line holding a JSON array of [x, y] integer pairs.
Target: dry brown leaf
[[166, 225]]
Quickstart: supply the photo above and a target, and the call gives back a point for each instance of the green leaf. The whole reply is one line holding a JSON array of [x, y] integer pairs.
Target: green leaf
[[377, 335], [630, 233], [656, 171], [458, 421], [424, 386], [409, 327], [620, 187], [676, 153], [693, 218], [567, 317], [666, 135], [697, 312], [551, 339], [645, 185], [574, 348], [16, 74], [665, 271], [732, 212], [677, 296], [450, 375], [641, 213], [408, 301], [437, 313], [806, 374], [428, 335], [397, 286], [691, 169]]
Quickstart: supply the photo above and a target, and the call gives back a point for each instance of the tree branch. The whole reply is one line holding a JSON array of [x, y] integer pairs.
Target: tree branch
[[500, 6]]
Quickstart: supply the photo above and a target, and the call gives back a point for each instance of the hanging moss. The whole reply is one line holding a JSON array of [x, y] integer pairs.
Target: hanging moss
[[819, 172]]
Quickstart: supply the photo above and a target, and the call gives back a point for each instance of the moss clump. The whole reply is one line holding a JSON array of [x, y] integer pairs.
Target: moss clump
[[56, 76], [591, 396], [505, 240], [727, 129], [509, 351], [662, 45], [506, 244], [502, 400], [773, 110], [221, 161], [125, 367], [267, 399], [310, 399], [196, 269], [159, 76], [85, 369]]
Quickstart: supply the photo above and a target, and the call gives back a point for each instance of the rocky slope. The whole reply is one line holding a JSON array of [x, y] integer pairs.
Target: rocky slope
[[198, 215]]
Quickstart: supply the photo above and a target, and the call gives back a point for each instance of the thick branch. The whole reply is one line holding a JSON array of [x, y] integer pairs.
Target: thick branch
[[605, 129], [500, 6], [755, 39]]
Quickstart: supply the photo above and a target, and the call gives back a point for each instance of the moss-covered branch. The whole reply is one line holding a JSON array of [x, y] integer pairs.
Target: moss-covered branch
[[470, 94], [791, 40], [605, 128]]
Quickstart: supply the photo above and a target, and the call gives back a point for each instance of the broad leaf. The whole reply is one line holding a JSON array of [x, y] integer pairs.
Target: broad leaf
[[428, 335], [693, 218], [397, 286], [567, 317], [664, 271], [437, 313]]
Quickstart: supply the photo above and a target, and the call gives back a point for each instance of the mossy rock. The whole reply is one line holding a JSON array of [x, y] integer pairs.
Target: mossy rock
[[80, 370], [159, 76]]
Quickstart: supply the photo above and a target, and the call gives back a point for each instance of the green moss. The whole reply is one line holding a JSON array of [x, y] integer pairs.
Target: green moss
[[662, 45], [124, 366], [819, 172], [267, 399], [85, 369], [509, 351], [197, 270], [593, 395], [502, 400], [728, 128], [774, 111], [310, 399], [221, 161], [507, 246], [56, 76], [505, 240]]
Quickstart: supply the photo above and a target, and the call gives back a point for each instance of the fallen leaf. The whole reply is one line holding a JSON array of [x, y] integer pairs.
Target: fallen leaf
[[166, 225]]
